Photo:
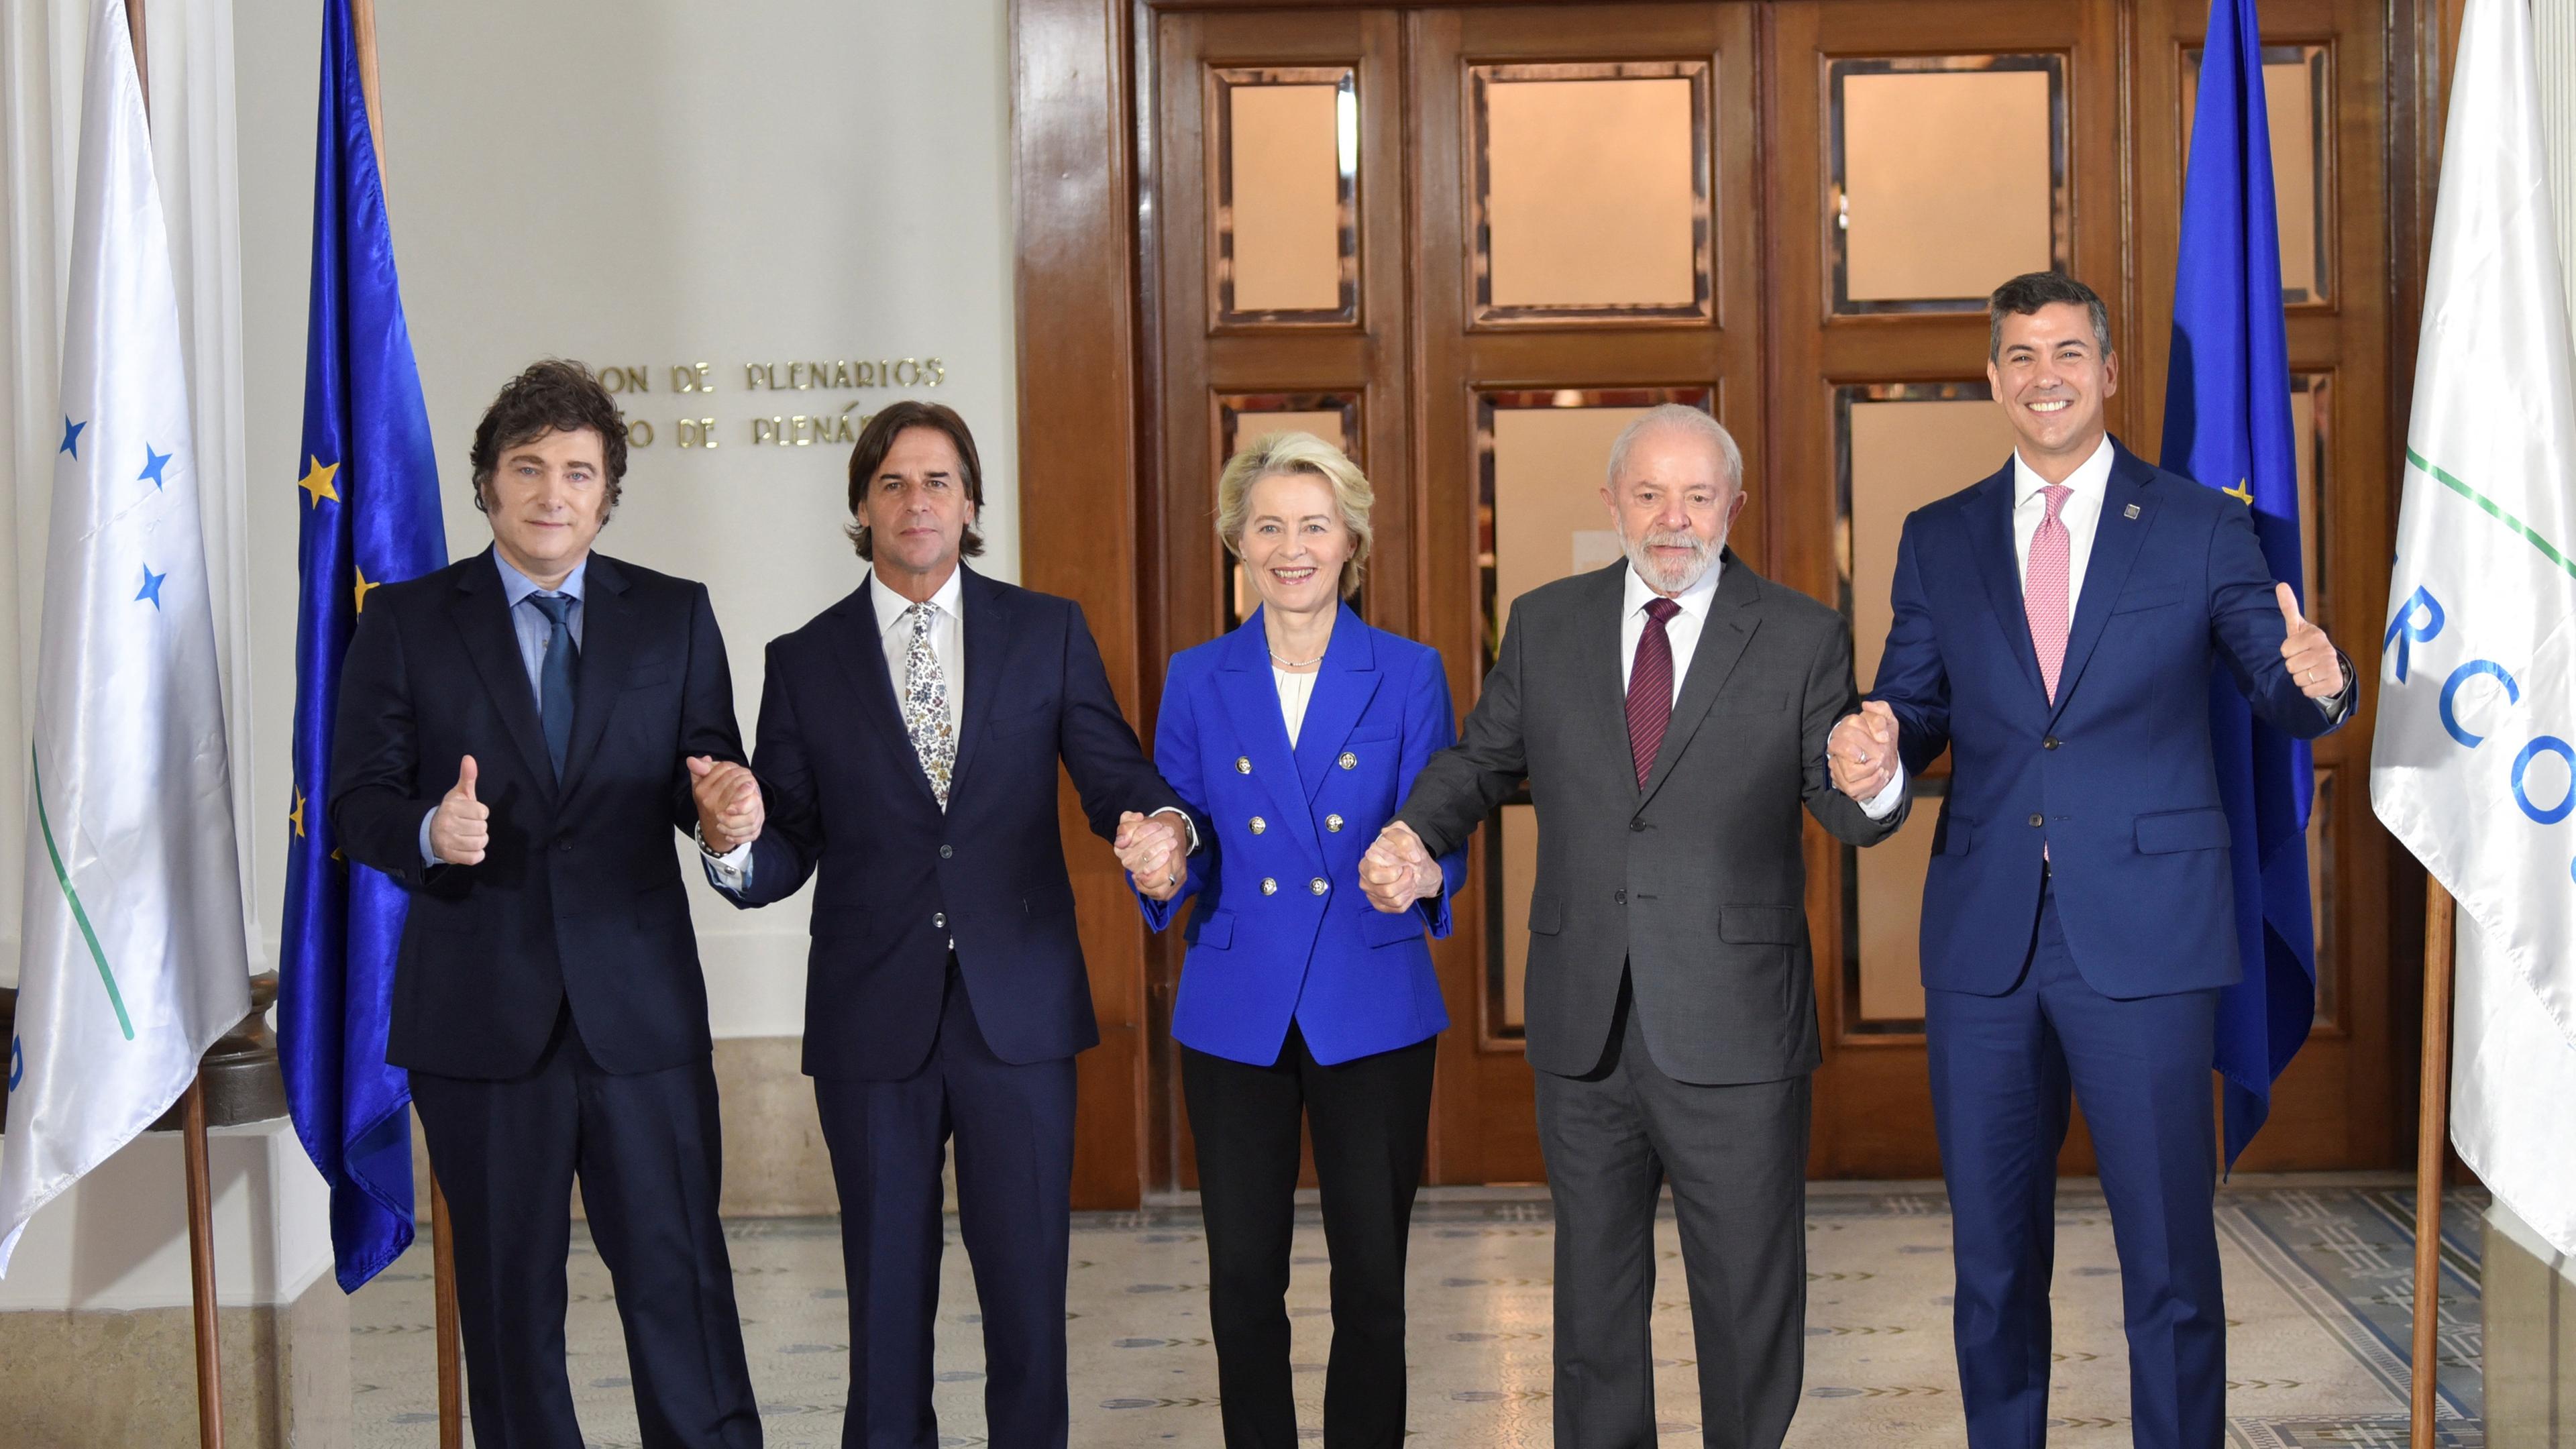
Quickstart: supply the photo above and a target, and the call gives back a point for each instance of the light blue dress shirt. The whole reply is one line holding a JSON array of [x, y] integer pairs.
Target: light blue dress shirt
[[533, 629]]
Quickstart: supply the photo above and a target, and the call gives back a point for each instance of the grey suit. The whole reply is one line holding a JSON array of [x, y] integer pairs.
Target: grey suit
[[1671, 998]]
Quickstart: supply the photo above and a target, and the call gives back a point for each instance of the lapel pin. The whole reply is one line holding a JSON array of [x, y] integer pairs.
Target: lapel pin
[[2129, 512]]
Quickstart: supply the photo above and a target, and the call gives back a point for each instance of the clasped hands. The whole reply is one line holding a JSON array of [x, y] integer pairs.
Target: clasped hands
[[1862, 751], [1152, 849], [730, 808], [1398, 870]]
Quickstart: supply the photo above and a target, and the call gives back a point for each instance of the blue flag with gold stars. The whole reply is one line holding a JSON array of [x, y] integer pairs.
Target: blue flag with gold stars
[[367, 493], [2227, 424]]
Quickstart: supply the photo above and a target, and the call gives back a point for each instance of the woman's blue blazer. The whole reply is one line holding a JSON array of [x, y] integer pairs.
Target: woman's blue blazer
[[1281, 930]]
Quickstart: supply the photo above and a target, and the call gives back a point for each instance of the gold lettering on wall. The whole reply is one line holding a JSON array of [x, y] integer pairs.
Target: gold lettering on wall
[[789, 430]]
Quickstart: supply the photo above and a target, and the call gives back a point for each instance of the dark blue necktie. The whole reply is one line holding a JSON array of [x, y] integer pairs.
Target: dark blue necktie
[[555, 676]]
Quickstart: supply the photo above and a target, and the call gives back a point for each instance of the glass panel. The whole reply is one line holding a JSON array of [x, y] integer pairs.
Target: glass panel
[[1592, 192], [1885, 981], [1243, 418], [2295, 109], [1898, 447], [1542, 455], [1517, 829], [1287, 174], [2321, 900], [2309, 434], [1949, 176]]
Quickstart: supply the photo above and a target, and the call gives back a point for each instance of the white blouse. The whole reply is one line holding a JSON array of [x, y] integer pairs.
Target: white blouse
[[1294, 691]]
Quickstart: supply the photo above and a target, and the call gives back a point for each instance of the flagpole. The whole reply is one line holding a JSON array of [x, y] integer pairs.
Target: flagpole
[[2432, 1135], [451, 1366], [201, 1264]]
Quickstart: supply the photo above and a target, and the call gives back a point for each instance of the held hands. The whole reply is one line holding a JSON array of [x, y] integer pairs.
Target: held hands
[[1151, 849], [730, 809], [2311, 658], [1398, 870], [1862, 751], [461, 829]]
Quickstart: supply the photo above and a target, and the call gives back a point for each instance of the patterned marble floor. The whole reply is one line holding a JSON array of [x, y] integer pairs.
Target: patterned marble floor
[[2319, 1277]]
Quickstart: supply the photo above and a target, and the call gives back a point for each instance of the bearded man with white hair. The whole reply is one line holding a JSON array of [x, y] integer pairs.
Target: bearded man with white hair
[[1670, 713]]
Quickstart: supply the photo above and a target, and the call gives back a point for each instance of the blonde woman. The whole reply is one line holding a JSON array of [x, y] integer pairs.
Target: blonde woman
[[1295, 736]]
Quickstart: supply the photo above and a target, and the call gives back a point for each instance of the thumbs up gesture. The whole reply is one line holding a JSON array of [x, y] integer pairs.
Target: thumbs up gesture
[[2310, 655], [462, 829]]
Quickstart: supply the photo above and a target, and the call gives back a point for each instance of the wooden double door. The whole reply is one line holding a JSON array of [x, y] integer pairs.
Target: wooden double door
[[1469, 242]]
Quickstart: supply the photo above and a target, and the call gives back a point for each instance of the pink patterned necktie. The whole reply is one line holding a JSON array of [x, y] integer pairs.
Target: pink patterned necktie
[[2044, 590]]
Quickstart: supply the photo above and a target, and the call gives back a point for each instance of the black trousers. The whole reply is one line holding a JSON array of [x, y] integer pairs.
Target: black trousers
[[1012, 1123], [1368, 1119], [647, 1151]]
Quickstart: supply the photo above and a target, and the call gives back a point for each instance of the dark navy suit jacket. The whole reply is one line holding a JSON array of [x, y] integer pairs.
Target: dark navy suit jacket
[[2115, 778], [579, 895], [900, 879], [1267, 946]]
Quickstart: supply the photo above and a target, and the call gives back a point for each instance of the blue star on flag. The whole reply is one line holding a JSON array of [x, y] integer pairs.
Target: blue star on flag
[[152, 465], [151, 586], [71, 437]]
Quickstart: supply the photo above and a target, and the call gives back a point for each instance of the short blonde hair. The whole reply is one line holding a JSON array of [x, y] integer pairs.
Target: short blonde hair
[[1296, 453]]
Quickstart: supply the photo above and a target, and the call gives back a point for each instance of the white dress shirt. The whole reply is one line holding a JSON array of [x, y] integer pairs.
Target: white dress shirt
[[2082, 514], [1682, 628]]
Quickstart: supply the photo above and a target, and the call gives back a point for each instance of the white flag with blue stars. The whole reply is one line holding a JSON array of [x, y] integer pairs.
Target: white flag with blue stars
[[134, 960]]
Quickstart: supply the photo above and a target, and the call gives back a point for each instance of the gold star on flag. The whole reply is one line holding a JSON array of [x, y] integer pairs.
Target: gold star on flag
[[363, 586], [2241, 493], [318, 482], [297, 815]]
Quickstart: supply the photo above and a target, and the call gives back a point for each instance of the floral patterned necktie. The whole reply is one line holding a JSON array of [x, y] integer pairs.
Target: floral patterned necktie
[[925, 706]]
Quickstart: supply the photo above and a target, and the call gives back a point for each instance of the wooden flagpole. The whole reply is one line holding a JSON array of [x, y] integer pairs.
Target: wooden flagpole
[[2432, 1136], [201, 1210], [201, 1264], [442, 1240]]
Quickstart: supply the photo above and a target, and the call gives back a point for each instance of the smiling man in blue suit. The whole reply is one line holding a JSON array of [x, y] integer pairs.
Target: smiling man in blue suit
[[2058, 628]]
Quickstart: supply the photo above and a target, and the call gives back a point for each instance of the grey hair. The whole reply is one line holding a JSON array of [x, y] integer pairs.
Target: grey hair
[[1682, 419]]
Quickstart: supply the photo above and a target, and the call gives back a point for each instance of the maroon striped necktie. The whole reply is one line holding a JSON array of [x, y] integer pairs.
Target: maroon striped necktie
[[1650, 688]]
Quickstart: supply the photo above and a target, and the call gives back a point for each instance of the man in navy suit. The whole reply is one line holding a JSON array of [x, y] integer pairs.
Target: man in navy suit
[[908, 745], [2058, 628], [547, 997]]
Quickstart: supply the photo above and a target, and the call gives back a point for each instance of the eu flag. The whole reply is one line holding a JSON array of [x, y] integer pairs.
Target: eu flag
[[2227, 423], [368, 497]]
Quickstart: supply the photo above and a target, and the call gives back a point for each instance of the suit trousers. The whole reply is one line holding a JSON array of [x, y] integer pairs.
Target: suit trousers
[[1013, 1125], [648, 1152], [2002, 1069], [1369, 1119], [1736, 1156]]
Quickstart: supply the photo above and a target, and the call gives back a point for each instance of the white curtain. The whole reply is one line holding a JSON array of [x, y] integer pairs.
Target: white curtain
[[2553, 36], [189, 45]]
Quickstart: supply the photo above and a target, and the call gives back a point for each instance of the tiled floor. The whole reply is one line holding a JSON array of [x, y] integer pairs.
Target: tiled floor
[[2318, 1284]]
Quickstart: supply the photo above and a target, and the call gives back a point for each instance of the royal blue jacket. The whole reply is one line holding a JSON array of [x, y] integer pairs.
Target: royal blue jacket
[[2115, 779], [1282, 930]]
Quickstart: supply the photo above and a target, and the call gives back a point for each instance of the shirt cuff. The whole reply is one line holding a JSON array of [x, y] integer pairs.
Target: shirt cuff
[[1884, 803], [2339, 705], [730, 871], [1187, 824], [428, 857]]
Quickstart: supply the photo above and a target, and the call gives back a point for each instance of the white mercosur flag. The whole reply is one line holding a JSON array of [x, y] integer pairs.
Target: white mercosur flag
[[2472, 765], [134, 959]]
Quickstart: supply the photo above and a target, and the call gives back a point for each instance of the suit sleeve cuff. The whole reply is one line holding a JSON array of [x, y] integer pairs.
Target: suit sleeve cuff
[[730, 871]]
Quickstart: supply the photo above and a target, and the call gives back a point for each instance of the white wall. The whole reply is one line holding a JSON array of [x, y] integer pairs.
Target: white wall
[[644, 183]]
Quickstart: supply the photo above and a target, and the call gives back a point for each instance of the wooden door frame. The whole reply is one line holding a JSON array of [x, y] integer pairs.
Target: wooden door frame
[[1084, 456]]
